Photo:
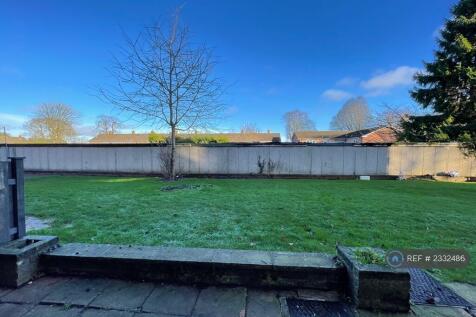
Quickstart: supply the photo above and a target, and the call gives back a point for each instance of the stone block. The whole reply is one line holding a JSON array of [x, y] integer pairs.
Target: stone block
[[198, 266], [19, 259], [376, 287]]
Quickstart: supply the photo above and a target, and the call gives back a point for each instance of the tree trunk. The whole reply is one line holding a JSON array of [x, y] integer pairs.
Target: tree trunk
[[172, 154]]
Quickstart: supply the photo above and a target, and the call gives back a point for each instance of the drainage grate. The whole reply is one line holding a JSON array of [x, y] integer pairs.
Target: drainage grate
[[314, 308], [427, 290]]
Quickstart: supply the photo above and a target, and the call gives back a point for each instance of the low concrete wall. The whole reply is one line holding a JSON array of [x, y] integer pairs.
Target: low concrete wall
[[230, 159]]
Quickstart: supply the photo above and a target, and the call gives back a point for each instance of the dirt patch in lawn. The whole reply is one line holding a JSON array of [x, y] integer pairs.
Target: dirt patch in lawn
[[183, 187], [34, 223]]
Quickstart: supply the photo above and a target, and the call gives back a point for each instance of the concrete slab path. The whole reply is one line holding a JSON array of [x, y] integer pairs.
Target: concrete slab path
[[99, 297]]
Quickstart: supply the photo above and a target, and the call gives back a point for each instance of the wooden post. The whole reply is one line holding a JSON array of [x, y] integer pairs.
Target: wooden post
[[18, 196], [12, 201], [5, 207]]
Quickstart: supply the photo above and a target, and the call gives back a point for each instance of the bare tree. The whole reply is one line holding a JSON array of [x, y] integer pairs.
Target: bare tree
[[52, 123], [354, 115], [164, 80], [296, 121], [107, 124], [249, 127], [393, 117]]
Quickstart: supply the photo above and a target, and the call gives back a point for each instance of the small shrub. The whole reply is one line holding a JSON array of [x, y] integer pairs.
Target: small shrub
[[165, 156], [202, 139], [368, 256], [261, 165], [208, 139], [157, 138], [268, 166]]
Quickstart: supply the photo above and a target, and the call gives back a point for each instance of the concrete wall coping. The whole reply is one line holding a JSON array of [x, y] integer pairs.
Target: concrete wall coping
[[265, 259]]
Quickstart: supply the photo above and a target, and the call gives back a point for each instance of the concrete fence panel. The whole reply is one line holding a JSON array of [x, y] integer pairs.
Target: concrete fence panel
[[282, 159]]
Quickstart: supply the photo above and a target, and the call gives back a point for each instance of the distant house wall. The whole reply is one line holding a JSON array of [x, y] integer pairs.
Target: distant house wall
[[287, 159], [353, 140]]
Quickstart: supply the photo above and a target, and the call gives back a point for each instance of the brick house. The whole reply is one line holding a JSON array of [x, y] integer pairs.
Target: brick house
[[12, 139], [372, 135]]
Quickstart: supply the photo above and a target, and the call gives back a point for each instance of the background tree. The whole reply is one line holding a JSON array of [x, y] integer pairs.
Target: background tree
[[249, 127], [296, 121], [108, 124], [354, 115], [447, 87], [52, 123], [392, 117], [162, 79]]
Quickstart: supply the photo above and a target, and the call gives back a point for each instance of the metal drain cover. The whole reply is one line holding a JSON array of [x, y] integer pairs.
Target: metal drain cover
[[314, 308], [427, 290]]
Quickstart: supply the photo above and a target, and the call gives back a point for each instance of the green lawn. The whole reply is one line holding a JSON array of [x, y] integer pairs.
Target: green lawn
[[265, 214]]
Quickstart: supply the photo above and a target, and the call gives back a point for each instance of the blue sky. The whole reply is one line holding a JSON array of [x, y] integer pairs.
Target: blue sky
[[274, 55]]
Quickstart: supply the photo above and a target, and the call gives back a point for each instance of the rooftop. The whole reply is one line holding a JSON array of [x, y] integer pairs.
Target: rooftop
[[12, 139], [379, 135], [143, 138], [320, 134]]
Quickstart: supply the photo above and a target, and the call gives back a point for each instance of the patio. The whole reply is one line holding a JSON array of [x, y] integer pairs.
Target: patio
[[93, 297]]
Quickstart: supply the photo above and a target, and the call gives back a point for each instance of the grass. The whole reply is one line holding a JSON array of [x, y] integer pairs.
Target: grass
[[368, 256], [264, 214]]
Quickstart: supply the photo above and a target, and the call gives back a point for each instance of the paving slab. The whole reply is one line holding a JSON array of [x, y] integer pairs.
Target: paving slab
[[92, 312], [313, 294], [53, 311], [123, 295], [4, 291], [433, 311], [77, 291], [366, 313], [262, 303], [14, 310], [468, 291], [171, 299], [33, 292], [220, 302], [154, 315]]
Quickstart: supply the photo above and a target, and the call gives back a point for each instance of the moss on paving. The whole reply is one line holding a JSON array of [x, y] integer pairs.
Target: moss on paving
[[263, 214]]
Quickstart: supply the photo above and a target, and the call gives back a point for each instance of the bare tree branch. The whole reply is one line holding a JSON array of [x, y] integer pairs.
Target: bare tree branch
[[52, 123], [354, 115], [162, 79], [249, 127], [108, 124], [393, 117], [296, 121]]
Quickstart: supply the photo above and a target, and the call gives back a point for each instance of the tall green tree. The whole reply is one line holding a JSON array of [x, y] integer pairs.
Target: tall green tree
[[447, 87]]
